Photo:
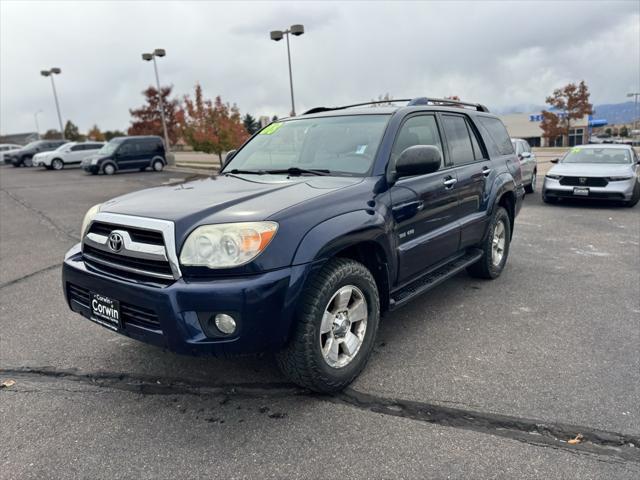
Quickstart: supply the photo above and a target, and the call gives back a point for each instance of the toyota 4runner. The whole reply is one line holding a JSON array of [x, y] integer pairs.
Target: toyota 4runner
[[312, 229]]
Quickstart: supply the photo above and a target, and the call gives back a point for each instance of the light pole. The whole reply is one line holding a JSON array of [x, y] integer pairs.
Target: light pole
[[50, 73], [635, 109], [147, 57], [35, 116], [277, 35]]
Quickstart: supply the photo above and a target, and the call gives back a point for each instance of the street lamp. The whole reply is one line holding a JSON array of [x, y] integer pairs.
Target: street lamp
[[635, 109], [50, 73], [277, 35], [147, 57], [35, 116]]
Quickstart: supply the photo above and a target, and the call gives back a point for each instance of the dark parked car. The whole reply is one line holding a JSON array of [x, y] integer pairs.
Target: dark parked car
[[24, 156], [313, 228], [127, 153]]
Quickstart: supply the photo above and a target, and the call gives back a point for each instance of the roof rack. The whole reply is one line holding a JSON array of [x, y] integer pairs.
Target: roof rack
[[446, 102]]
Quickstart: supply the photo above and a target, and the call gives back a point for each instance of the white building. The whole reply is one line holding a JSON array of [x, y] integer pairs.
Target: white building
[[527, 127]]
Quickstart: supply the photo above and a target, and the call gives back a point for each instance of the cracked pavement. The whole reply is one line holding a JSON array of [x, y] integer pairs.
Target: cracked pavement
[[475, 379]]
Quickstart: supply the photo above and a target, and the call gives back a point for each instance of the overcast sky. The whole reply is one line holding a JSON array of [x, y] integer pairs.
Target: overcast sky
[[501, 54]]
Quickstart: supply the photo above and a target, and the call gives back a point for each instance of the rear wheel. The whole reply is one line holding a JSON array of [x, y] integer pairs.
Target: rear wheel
[[531, 188], [109, 169], [57, 164], [495, 247], [336, 327], [158, 165]]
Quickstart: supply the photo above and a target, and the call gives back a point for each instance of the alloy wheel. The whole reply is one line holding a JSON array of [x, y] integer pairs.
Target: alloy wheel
[[498, 243], [343, 326]]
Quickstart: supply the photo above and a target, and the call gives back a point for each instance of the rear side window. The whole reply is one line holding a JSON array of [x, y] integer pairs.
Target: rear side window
[[418, 130], [498, 140], [458, 140]]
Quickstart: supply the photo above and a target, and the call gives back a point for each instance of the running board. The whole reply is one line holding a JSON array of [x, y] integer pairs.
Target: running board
[[431, 279]]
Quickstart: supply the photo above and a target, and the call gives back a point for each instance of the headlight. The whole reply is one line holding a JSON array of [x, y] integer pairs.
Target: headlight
[[94, 161], [88, 217], [226, 245], [618, 179], [553, 177]]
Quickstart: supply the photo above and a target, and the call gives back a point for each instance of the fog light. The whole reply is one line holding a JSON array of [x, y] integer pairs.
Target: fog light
[[225, 323]]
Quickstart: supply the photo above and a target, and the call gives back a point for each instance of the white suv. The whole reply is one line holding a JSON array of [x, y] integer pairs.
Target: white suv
[[528, 163], [68, 154]]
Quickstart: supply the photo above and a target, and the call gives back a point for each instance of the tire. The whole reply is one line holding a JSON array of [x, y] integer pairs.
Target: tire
[[338, 291], [109, 168], [157, 165], [493, 260], [531, 188], [57, 164], [634, 199], [27, 161]]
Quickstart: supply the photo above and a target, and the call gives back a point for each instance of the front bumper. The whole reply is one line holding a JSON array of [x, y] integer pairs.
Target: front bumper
[[89, 168], [615, 190], [175, 317]]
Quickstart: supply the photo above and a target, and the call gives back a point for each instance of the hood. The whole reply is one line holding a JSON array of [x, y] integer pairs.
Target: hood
[[591, 169], [225, 198]]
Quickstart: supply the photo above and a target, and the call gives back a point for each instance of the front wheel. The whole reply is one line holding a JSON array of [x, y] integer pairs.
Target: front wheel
[[531, 188], [635, 197], [337, 321], [57, 164], [27, 162], [495, 247], [109, 169]]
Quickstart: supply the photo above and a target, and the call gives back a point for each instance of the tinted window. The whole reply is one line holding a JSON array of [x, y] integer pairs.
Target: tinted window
[[418, 130], [148, 146], [477, 151], [501, 142], [127, 148], [92, 146], [460, 148], [77, 148]]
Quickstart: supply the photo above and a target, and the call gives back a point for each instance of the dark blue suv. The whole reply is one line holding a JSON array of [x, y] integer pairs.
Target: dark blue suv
[[313, 228]]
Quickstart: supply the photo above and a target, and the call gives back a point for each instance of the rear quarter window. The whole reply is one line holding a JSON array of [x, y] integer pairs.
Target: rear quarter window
[[496, 137]]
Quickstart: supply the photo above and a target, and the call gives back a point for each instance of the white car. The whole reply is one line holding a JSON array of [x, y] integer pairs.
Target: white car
[[71, 153], [7, 148], [528, 163]]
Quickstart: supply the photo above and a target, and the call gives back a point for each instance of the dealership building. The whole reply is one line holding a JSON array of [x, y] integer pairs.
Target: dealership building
[[527, 127]]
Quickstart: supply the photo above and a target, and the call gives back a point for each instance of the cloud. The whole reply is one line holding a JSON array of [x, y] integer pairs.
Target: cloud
[[497, 53]]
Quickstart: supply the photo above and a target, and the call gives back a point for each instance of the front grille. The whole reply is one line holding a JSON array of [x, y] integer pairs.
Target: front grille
[[130, 314], [584, 181], [115, 260], [137, 234]]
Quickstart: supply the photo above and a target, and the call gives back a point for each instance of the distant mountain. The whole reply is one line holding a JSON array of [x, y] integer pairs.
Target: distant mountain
[[613, 113]]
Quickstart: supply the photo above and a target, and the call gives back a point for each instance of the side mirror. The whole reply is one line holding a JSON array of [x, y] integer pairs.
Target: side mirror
[[230, 155], [555, 160], [418, 160]]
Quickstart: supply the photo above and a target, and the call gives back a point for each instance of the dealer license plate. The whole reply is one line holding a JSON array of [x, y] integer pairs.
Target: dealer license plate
[[105, 311], [581, 191]]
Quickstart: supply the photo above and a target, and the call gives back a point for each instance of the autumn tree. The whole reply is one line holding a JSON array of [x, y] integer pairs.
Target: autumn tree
[[109, 134], [212, 127], [571, 102], [251, 125], [147, 120], [51, 134], [95, 134], [551, 128], [71, 132]]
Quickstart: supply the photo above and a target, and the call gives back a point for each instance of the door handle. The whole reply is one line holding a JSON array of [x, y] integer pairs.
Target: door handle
[[486, 171], [449, 182]]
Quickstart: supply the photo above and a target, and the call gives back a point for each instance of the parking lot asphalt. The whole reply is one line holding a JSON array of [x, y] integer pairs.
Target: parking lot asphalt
[[475, 379]]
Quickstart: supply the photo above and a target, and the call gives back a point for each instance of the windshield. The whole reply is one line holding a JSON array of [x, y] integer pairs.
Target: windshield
[[597, 155], [32, 144], [109, 148], [337, 145]]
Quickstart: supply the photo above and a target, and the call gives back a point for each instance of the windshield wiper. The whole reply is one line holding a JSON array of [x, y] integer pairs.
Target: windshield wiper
[[254, 172], [300, 171]]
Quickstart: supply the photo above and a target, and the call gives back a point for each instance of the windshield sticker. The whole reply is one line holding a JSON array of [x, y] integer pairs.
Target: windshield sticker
[[274, 127], [575, 149], [361, 148]]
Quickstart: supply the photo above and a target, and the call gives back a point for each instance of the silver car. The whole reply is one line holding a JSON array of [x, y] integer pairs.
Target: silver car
[[528, 163], [607, 172]]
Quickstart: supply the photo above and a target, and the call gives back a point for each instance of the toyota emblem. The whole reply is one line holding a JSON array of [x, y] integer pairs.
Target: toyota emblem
[[115, 242]]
